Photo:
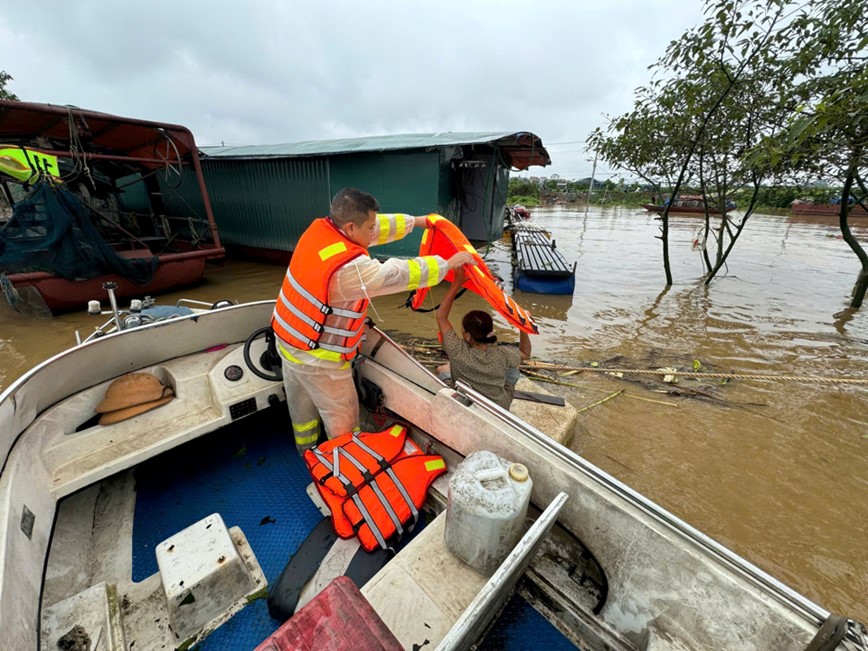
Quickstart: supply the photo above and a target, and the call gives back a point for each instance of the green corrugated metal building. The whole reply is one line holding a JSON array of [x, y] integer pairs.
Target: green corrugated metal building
[[264, 196]]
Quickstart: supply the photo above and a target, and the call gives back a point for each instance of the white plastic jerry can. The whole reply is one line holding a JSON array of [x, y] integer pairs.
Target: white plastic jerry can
[[486, 509]]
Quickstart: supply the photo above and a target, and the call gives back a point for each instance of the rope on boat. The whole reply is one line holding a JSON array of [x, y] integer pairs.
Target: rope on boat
[[549, 366]]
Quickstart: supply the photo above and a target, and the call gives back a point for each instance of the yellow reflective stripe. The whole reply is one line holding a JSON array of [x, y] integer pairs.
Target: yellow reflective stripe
[[435, 464], [433, 270], [435, 218], [306, 440], [401, 223], [478, 270], [425, 236], [469, 248], [415, 274], [396, 429], [303, 427], [289, 356], [329, 355], [312, 426], [319, 353], [332, 249], [385, 226]]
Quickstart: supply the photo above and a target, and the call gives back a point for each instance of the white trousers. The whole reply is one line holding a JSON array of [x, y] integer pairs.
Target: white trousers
[[313, 393]]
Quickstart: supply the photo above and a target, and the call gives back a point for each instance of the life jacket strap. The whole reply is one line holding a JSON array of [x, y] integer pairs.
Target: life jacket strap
[[310, 298], [311, 344], [318, 304], [369, 520], [318, 327], [334, 467]]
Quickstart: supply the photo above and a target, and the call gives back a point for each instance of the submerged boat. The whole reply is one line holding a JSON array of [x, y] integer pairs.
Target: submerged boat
[[687, 205], [169, 528], [90, 198], [811, 209]]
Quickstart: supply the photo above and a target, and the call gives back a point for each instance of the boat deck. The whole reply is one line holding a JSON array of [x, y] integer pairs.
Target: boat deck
[[250, 473], [538, 266]]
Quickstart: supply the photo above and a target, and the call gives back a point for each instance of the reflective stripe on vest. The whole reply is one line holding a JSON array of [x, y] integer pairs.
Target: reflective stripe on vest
[[446, 239], [368, 485], [364, 456], [300, 313], [379, 509]]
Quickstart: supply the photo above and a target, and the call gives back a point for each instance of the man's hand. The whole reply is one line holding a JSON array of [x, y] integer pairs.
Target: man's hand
[[459, 259], [460, 277], [420, 222]]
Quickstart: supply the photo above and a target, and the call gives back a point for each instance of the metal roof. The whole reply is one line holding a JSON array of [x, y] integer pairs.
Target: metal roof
[[100, 133], [521, 149]]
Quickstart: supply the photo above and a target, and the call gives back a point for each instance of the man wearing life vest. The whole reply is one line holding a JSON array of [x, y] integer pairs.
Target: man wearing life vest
[[320, 312]]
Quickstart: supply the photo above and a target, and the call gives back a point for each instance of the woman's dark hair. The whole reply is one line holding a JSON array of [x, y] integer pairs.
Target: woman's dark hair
[[479, 326]]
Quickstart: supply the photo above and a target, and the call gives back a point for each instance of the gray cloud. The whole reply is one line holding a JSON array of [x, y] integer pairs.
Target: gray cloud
[[268, 71]]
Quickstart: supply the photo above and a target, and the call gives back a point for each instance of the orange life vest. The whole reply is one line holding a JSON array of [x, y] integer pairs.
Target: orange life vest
[[445, 239], [299, 316], [373, 483]]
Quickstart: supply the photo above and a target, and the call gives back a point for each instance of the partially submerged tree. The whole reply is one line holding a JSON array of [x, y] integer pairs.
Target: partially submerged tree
[[696, 118], [5, 78], [826, 133]]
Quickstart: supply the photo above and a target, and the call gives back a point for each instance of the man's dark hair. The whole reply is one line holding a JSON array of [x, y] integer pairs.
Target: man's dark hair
[[479, 326], [352, 205]]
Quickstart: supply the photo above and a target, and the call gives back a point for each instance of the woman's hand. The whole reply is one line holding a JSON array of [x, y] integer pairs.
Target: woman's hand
[[460, 277]]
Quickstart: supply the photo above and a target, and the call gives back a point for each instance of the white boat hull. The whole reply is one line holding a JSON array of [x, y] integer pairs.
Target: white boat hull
[[669, 586]]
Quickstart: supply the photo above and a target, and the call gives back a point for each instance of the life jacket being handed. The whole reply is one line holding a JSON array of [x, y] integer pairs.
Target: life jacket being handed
[[299, 316], [445, 239], [374, 483]]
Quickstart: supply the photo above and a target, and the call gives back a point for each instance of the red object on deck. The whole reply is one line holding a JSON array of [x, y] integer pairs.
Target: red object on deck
[[338, 618]]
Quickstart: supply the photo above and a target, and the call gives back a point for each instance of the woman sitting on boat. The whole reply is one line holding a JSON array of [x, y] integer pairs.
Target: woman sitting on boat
[[474, 357]]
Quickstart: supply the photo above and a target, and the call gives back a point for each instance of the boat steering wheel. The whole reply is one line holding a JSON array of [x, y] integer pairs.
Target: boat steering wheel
[[270, 366]]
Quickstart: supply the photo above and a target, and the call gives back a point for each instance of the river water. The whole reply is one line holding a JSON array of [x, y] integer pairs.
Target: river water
[[777, 470]]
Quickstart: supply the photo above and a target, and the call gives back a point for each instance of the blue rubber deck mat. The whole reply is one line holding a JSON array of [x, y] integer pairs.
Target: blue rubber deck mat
[[251, 474], [519, 627], [248, 472]]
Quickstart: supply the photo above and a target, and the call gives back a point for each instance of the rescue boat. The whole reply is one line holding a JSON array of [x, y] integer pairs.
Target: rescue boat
[[172, 528]]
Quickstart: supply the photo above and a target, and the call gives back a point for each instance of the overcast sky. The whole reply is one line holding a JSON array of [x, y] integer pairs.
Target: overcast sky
[[268, 72]]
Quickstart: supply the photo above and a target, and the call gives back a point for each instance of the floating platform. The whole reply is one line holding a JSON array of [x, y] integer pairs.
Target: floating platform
[[538, 267]]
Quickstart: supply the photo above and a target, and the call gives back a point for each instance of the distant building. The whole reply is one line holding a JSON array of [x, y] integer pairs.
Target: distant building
[[265, 196]]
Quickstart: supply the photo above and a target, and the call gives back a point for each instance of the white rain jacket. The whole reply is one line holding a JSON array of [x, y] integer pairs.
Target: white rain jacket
[[367, 277]]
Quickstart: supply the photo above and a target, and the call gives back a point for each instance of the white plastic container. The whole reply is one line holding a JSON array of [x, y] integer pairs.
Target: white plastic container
[[487, 506]]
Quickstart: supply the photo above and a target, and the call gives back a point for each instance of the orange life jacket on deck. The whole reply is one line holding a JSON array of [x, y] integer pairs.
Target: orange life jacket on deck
[[445, 239], [299, 316], [373, 483]]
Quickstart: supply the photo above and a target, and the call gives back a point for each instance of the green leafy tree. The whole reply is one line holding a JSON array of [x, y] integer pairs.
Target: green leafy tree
[[704, 107], [826, 132], [5, 78], [762, 94]]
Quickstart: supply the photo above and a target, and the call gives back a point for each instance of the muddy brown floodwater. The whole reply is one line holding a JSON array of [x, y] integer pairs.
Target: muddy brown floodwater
[[776, 470]]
